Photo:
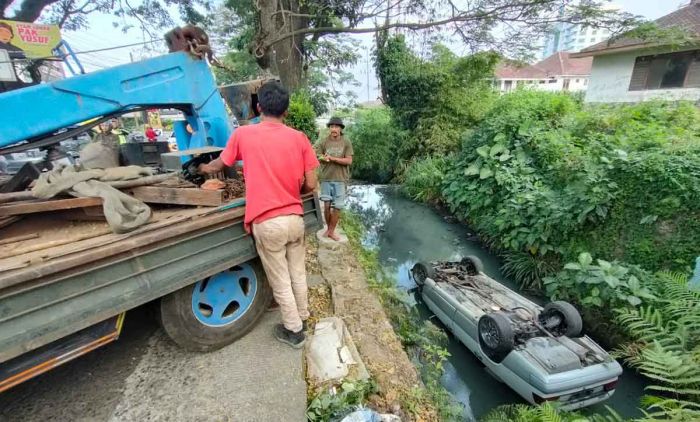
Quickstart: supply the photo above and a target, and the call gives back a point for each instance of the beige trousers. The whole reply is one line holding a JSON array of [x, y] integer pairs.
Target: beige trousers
[[280, 244]]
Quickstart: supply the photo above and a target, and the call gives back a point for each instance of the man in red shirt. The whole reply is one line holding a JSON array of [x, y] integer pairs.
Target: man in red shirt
[[151, 134], [278, 164]]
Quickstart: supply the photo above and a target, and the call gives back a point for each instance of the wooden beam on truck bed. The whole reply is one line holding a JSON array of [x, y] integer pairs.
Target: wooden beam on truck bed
[[179, 196], [29, 207]]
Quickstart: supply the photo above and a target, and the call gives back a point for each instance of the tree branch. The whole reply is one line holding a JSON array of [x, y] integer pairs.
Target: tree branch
[[30, 10], [4, 4]]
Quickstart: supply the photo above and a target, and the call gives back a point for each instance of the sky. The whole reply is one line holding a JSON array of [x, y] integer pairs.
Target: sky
[[102, 34]]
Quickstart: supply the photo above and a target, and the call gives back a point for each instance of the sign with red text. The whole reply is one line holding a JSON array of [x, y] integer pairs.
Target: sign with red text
[[28, 40]]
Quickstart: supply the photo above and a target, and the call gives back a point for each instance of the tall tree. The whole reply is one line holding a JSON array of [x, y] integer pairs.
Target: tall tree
[[283, 28], [72, 14]]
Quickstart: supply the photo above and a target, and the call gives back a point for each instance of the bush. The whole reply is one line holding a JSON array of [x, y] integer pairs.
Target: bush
[[422, 180], [547, 176], [604, 285], [436, 100], [301, 115], [375, 139]]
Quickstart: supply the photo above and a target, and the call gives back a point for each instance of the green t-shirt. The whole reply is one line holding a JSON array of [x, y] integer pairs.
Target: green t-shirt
[[340, 148]]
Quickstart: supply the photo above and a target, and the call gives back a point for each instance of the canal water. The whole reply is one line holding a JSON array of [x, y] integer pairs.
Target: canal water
[[405, 232]]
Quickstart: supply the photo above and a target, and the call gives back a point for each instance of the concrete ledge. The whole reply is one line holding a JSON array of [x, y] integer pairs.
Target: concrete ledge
[[330, 243]]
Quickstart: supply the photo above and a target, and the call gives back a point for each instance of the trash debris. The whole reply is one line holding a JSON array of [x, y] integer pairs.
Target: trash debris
[[369, 415], [331, 352]]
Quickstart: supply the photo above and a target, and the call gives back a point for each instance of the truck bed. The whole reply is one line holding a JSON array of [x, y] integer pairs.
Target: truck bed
[[52, 292]]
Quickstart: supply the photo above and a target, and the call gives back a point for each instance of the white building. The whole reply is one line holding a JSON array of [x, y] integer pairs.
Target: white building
[[558, 72], [631, 70], [570, 37]]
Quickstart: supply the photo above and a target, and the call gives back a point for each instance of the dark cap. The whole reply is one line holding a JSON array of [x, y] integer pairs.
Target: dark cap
[[337, 121]]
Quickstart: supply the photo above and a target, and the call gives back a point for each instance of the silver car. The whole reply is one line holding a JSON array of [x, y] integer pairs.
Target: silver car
[[539, 352]]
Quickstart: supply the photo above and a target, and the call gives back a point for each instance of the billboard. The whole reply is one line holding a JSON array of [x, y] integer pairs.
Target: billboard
[[28, 40]]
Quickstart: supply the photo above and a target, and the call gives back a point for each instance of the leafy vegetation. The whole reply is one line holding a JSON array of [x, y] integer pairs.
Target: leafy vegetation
[[335, 402], [545, 176], [423, 341], [301, 115], [666, 348], [606, 285], [375, 138], [435, 99], [423, 179]]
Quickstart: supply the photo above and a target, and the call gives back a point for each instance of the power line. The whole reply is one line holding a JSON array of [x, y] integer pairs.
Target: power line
[[97, 50]]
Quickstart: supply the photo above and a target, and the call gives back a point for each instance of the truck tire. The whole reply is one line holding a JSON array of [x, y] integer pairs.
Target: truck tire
[[561, 319], [218, 310], [496, 335], [473, 263], [421, 271]]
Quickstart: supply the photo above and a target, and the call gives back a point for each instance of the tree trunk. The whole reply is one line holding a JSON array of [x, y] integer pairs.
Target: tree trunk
[[284, 58]]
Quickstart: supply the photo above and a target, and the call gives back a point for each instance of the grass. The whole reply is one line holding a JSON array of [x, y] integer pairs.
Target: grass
[[424, 342]]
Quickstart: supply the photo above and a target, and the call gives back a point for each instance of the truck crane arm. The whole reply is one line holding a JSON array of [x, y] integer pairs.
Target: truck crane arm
[[177, 80]]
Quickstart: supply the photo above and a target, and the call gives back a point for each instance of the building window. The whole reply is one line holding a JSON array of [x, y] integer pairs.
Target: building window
[[576, 80], [666, 71], [566, 84], [552, 81]]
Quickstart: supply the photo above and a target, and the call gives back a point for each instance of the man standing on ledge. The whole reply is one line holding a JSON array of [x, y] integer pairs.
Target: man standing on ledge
[[278, 165], [336, 156]]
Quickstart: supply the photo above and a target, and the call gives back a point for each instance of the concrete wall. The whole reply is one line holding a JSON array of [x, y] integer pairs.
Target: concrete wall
[[610, 80], [558, 84]]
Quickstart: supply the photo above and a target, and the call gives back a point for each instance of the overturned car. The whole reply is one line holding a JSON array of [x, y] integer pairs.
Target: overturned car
[[539, 352]]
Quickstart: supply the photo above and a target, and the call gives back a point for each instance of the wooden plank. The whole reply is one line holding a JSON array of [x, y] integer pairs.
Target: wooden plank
[[84, 214], [16, 239], [6, 221], [179, 196], [29, 207]]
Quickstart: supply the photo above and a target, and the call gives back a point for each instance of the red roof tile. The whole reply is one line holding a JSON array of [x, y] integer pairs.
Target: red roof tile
[[687, 17], [558, 64]]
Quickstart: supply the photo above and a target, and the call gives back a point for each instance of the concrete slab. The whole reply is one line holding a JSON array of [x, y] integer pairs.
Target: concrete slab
[[254, 379], [314, 280], [330, 243]]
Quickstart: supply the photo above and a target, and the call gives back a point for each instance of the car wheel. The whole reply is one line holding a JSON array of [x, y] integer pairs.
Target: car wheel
[[217, 310], [496, 335], [422, 271], [561, 319], [473, 264]]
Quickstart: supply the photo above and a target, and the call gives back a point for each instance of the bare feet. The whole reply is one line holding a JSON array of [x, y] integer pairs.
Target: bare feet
[[334, 237], [325, 234]]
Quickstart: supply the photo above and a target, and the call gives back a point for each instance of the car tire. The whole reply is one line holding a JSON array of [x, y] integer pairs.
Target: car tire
[[496, 335], [567, 319], [474, 264], [422, 271], [185, 326]]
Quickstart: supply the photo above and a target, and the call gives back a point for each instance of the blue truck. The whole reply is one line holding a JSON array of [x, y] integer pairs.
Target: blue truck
[[199, 266]]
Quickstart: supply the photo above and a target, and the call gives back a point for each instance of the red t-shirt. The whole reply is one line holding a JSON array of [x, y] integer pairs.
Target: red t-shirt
[[275, 158]]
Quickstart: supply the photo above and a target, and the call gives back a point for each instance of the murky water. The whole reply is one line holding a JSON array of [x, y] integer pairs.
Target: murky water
[[405, 232]]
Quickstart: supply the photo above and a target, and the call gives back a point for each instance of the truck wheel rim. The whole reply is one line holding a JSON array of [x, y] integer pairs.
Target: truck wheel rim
[[224, 297], [490, 334]]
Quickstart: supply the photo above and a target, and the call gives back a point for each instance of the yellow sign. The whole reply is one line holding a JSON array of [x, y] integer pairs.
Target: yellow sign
[[28, 39]]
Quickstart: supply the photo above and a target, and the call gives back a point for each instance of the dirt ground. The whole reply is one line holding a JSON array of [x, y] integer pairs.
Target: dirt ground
[[346, 294]]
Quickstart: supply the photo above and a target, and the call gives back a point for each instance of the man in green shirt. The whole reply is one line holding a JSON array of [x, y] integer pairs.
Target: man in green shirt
[[336, 157]]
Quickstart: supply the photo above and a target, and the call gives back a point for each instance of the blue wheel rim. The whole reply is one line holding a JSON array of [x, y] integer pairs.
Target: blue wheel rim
[[224, 297]]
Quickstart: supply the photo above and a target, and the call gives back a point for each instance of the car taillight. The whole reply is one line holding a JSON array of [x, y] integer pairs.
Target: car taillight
[[539, 400], [610, 386]]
